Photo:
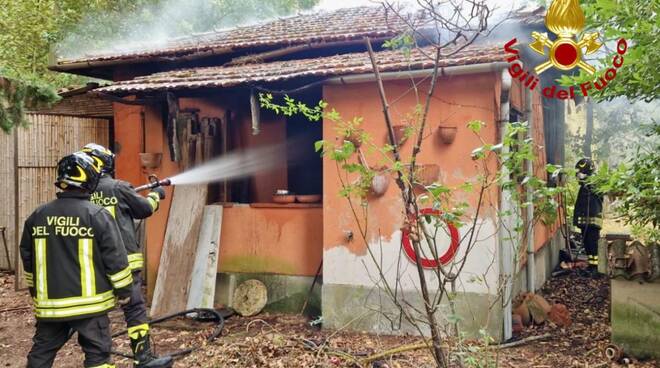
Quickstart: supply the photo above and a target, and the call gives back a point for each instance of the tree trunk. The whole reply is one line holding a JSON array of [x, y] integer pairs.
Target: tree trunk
[[588, 134]]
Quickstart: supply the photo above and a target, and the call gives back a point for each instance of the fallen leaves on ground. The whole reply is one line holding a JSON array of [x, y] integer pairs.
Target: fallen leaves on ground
[[284, 341]]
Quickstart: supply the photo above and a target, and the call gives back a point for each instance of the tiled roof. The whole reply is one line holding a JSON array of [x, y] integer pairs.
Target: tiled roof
[[346, 64], [340, 25]]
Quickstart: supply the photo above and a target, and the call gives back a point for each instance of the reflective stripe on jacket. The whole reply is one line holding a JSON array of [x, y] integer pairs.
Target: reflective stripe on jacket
[[74, 259], [588, 207], [126, 205]]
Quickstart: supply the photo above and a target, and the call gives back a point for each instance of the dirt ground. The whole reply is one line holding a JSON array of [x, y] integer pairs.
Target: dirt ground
[[289, 341]]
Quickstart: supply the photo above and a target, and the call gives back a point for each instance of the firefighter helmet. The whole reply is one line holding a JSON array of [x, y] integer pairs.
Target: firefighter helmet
[[585, 166], [103, 157], [77, 170]]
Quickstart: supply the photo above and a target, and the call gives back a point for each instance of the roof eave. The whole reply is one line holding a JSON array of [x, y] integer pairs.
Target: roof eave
[[488, 67], [477, 68]]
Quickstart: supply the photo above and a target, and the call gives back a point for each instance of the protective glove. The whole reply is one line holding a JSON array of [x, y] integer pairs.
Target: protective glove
[[160, 191], [123, 295]]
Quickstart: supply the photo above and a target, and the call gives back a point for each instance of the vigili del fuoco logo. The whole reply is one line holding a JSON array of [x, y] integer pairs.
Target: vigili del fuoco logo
[[566, 20]]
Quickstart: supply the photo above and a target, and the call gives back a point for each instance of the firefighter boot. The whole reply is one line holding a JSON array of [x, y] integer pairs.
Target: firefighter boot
[[141, 347]]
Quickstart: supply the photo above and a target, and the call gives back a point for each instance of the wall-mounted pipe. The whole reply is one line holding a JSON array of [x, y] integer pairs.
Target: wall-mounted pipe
[[450, 70], [506, 246], [255, 112], [529, 113]]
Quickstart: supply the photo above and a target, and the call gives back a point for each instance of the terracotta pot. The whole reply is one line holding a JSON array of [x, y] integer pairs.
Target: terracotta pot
[[354, 137], [151, 160], [427, 174], [309, 198], [419, 189], [284, 198], [399, 134], [379, 184], [447, 134]]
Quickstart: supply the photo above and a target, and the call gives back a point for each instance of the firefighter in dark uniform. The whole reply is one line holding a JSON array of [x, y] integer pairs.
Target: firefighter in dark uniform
[[74, 264], [588, 213], [126, 205]]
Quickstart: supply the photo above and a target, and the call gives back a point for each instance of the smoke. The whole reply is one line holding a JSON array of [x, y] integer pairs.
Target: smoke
[[243, 163], [504, 21], [144, 26]]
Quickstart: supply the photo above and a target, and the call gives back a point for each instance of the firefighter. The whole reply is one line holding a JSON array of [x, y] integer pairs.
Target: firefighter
[[74, 264], [588, 213], [126, 205]]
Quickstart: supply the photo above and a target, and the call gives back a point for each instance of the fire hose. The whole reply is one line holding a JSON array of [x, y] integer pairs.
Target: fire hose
[[154, 182], [196, 314]]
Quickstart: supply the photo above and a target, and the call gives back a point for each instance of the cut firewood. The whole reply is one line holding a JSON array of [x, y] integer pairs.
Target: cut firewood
[[538, 308], [523, 312]]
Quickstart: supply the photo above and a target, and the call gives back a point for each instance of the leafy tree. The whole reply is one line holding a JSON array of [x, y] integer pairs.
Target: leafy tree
[[619, 128], [636, 184], [637, 22]]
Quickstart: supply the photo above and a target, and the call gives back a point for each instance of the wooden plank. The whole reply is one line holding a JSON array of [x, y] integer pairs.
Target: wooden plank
[[179, 248], [201, 289]]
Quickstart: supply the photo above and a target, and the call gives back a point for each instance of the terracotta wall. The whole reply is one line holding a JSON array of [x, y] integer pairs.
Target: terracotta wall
[[456, 101], [271, 240], [128, 137]]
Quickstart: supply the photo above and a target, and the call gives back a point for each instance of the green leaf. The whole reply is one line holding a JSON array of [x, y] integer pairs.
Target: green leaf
[[318, 146], [476, 125]]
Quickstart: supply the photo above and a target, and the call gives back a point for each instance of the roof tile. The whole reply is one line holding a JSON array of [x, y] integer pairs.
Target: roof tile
[[345, 64], [339, 25]]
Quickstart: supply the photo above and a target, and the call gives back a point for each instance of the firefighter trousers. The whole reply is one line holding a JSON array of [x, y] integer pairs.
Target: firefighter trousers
[[590, 236], [93, 336], [135, 312]]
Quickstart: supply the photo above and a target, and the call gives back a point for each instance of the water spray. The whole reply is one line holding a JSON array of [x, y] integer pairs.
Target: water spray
[[232, 166]]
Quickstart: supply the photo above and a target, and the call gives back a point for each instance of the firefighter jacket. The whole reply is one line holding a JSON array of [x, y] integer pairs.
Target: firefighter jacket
[[73, 258], [125, 205], [588, 207]]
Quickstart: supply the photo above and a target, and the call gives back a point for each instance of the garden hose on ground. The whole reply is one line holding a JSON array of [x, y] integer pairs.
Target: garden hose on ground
[[196, 314]]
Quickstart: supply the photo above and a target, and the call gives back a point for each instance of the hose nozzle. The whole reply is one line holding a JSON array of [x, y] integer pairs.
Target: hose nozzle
[[154, 182]]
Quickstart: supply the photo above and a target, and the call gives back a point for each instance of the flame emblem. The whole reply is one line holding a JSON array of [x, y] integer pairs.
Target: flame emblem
[[565, 19]]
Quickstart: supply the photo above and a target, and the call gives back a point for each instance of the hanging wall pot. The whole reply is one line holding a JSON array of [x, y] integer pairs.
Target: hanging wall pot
[[399, 134], [427, 174], [151, 160], [379, 183], [447, 134], [354, 136]]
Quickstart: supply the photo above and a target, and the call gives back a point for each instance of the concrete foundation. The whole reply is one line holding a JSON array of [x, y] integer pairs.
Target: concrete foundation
[[370, 309], [636, 317], [286, 294]]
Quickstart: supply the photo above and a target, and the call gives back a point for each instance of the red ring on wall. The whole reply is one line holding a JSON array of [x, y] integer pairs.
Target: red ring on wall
[[426, 262]]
